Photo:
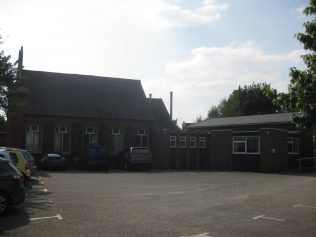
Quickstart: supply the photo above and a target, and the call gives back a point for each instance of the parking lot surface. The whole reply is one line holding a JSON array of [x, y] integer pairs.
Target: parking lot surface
[[74, 203]]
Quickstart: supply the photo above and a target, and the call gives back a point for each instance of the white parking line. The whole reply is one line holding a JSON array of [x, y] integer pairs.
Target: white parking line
[[42, 201], [58, 216], [306, 206], [199, 235], [268, 218]]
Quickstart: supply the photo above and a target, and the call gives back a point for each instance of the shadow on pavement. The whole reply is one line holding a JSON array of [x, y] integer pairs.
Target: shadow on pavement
[[18, 216], [14, 218]]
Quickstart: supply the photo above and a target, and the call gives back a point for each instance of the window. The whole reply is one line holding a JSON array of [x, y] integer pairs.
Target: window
[[202, 143], [293, 145], [62, 139], [192, 142], [14, 158], [141, 138], [33, 138], [5, 168], [116, 131], [116, 140], [173, 141], [183, 142], [89, 136], [246, 145]]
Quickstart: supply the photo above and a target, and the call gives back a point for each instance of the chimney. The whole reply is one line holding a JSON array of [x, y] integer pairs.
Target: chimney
[[20, 61], [171, 104], [150, 95]]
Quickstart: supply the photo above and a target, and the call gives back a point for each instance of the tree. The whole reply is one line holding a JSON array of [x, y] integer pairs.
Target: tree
[[198, 119], [247, 100], [214, 112], [12, 91], [7, 76], [302, 87]]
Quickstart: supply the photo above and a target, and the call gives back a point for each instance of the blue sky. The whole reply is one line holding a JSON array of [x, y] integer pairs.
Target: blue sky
[[201, 50]]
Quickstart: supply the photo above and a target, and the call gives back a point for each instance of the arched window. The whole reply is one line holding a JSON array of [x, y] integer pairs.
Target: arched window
[[62, 139], [33, 138], [89, 136]]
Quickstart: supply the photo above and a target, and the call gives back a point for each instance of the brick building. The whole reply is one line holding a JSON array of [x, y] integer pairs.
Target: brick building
[[66, 112], [254, 143]]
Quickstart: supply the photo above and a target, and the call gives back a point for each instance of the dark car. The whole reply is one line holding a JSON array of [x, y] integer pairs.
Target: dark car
[[95, 157], [136, 157], [11, 186], [53, 160]]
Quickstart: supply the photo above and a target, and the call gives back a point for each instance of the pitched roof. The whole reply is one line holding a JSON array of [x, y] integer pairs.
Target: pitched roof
[[76, 95], [245, 120], [160, 114]]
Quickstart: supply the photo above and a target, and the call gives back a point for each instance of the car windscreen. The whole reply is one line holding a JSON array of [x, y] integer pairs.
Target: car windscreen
[[14, 167], [14, 157], [141, 151], [5, 156], [6, 168], [53, 156], [27, 155]]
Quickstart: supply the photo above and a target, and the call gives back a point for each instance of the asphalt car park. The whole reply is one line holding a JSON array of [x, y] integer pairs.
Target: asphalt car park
[[99, 203]]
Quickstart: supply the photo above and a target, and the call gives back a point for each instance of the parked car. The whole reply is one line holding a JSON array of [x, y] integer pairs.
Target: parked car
[[136, 157], [11, 186], [53, 160], [95, 156], [30, 162], [5, 155], [21, 163]]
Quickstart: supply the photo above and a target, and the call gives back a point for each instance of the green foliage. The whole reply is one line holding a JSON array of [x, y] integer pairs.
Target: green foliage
[[12, 92], [214, 112], [199, 119], [302, 88], [247, 100]]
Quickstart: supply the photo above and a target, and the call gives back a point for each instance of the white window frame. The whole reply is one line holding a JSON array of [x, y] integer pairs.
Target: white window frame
[[34, 130], [61, 130], [192, 142], [90, 131], [246, 145], [292, 142], [202, 142], [116, 131], [173, 141], [143, 134], [183, 142]]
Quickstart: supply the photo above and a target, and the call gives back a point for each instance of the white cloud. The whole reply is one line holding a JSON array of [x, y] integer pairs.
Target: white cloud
[[175, 15], [128, 38], [212, 73], [300, 9], [60, 35]]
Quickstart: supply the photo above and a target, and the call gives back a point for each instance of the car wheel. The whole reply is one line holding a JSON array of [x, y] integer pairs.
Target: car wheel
[[4, 202]]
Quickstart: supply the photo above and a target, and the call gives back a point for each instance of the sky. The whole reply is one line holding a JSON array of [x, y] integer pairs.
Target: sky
[[200, 49]]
